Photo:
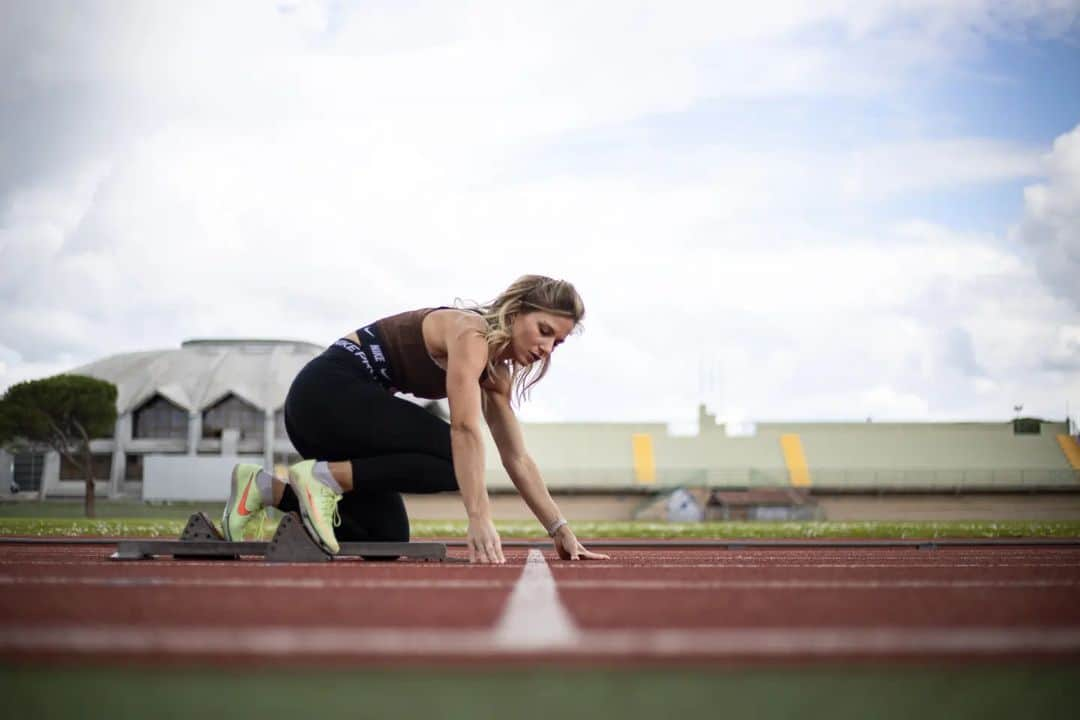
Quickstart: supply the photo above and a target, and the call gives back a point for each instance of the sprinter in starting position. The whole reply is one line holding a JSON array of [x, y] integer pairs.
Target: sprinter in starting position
[[363, 446]]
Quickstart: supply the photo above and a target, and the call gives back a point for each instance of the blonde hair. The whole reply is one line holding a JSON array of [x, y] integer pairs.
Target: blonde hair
[[528, 293]]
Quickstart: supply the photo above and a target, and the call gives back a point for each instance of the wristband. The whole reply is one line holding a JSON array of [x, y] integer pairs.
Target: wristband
[[554, 528]]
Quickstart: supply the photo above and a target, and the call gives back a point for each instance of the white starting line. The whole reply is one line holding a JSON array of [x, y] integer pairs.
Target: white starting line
[[534, 617], [534, 621]]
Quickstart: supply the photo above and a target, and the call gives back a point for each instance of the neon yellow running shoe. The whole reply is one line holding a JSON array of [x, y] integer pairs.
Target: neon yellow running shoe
[[318, 505], [245, 501]]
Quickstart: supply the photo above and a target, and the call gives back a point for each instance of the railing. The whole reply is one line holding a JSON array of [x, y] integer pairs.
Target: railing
[[869, 479], [937, 478]]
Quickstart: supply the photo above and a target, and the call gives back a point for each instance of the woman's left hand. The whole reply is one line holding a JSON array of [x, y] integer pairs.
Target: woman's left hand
[[568, 547]]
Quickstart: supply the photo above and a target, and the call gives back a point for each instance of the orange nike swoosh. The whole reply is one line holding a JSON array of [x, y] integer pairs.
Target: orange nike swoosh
[[242, 510], [311, 502]]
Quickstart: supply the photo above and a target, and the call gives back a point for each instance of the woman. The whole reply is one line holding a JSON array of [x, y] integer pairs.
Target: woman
[[364, 446]]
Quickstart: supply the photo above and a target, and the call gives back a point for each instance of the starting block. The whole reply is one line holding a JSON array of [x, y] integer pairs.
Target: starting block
[[291, 543]]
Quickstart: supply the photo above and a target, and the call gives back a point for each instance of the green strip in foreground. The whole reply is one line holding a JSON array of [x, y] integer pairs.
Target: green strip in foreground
[[829, 693], [171, 528]]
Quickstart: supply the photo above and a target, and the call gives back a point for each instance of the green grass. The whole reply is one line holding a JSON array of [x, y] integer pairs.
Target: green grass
[[827, 692], [127, 518], [106, 509], [172, 526], [808, 529]]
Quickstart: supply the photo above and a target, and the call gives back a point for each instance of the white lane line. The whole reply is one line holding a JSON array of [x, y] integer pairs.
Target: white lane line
[[133, 563], [534, 617], [807, 584], [543, 595], [267, 583], [586, 567], [920, 558], [719, 565], [105, 562], [771, 642]]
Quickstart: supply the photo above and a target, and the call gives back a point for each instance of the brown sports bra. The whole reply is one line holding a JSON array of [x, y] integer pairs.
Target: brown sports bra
[[413, 369]]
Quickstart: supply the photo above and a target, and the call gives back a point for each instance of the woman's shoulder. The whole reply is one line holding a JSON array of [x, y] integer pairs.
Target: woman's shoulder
[[456, 317], [441, 325], [421, 315]]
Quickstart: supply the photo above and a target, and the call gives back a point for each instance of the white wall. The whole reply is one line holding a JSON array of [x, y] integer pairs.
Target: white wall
[[183, 477], [6, 473]]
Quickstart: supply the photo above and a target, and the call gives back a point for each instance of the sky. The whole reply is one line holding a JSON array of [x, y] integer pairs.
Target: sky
[[819, 210]]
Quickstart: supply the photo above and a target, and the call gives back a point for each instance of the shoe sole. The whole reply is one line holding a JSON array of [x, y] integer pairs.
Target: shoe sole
[[308, 525]]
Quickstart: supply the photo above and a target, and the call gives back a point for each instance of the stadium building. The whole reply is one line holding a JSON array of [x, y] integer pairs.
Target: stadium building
[[186, 415], [208, 399]]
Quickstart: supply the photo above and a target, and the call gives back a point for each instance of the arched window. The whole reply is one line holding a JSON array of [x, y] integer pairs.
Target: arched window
[[160, 418], [232, 412], [27, 469], [102, 467]]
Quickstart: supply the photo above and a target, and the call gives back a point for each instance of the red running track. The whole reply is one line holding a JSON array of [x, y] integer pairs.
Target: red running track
[[803, 605]]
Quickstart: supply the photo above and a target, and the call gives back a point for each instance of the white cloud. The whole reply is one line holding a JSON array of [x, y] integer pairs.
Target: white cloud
[[256, 171], [939, 319], [881, 171], [890, 403], [1050, 228]]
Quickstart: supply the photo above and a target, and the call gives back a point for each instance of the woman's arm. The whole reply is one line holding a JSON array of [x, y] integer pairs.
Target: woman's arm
[[525, 475], [523, 472], [466, 359]]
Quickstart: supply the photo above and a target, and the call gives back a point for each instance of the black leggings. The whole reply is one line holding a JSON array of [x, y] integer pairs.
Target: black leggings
[[394, 446]]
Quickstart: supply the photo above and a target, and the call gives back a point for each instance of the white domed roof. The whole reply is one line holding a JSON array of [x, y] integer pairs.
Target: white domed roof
[[202, 372]]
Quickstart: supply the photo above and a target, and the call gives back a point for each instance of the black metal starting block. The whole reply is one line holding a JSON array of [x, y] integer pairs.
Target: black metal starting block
[[201, 540]]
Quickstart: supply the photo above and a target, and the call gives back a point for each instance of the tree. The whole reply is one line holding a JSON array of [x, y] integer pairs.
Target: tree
[[62, 412]]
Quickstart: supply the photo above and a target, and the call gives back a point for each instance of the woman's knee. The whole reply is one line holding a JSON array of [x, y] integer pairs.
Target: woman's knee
[[373, 517]]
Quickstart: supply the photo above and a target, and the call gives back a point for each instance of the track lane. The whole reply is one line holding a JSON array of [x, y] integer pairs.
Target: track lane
[[803, 605]]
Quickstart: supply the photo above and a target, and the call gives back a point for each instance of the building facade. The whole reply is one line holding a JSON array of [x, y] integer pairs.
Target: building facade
[[196, 407], [208, 398]]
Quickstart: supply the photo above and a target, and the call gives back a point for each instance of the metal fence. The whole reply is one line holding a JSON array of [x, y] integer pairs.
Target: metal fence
[[869, 479], [934, 478]]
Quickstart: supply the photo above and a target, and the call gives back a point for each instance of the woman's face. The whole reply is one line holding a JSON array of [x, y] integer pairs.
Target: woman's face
[[536, 334]]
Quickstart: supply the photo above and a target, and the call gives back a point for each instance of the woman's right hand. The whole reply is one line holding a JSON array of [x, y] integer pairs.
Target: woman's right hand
[[484, 543]]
